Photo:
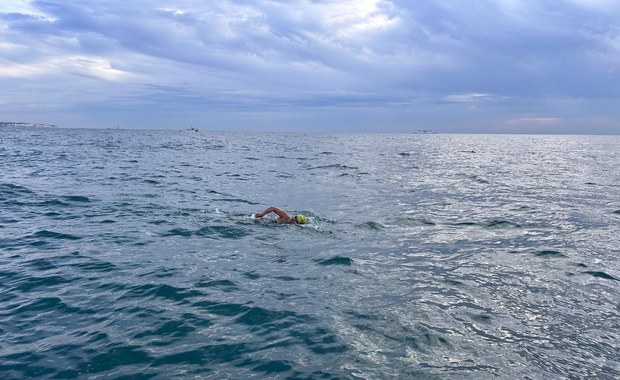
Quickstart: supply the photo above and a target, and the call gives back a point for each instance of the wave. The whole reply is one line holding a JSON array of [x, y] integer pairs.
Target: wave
[[370, 225], [28, 284], [603, 275], [45, 234], [426, 221], [336, 260], [412, 221], [491, 224], [334, 166], [235, 200], [77, 198], [44, 304], [11, 190], [224, 285], [549, 253]]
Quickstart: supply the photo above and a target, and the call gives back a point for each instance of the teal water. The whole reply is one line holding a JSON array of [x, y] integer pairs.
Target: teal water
[[131, 254]]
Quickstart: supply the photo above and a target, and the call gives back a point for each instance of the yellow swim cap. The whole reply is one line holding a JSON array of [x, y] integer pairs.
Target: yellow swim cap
[[301, 219]]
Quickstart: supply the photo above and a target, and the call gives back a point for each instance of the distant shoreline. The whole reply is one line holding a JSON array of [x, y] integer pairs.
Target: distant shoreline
[[422, 132], [25, 125]]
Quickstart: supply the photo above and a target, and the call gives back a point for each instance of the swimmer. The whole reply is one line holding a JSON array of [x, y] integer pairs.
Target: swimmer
[[283, 216]]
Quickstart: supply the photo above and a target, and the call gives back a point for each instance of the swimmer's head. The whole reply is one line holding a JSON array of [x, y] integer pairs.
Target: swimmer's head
[[301, 219]]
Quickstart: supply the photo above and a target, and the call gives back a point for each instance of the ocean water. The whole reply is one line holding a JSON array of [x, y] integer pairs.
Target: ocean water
[[132, 254]]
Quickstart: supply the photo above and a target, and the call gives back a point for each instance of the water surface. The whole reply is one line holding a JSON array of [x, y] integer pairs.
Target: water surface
[[132, 253]]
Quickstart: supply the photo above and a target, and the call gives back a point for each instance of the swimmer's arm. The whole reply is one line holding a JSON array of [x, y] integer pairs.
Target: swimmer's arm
[[281, 213]]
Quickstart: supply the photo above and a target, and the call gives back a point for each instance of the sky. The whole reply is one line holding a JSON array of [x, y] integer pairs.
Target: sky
[[488, 66]]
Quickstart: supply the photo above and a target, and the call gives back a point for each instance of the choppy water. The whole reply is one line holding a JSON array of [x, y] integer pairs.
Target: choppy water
[[131, 253]]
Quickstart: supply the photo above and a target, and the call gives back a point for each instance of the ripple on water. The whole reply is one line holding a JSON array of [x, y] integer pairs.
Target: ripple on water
[[206, 355], [498, 223], [168, 328], [164, 291], [45, 304], [223, 285], [41, 264], [114, 357], [28, 284], [95, 266], [212, 232]]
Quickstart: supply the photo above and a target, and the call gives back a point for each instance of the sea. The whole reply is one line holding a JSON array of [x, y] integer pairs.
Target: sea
[[132, 254]]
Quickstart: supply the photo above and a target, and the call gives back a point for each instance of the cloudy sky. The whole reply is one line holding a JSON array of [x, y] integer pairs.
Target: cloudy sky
[[548, 66]]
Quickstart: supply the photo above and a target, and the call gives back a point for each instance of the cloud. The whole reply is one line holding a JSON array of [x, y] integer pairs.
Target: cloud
[[467, 98], [533, 121], [303, 56]]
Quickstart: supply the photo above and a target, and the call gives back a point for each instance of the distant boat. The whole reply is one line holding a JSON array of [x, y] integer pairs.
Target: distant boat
[[424, 131], [192, 129]]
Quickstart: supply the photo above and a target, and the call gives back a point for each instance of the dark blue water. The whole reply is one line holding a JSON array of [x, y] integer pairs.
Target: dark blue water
[[131, 254]]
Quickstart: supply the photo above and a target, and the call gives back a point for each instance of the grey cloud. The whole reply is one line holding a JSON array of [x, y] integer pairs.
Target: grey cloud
[[315, 54]]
